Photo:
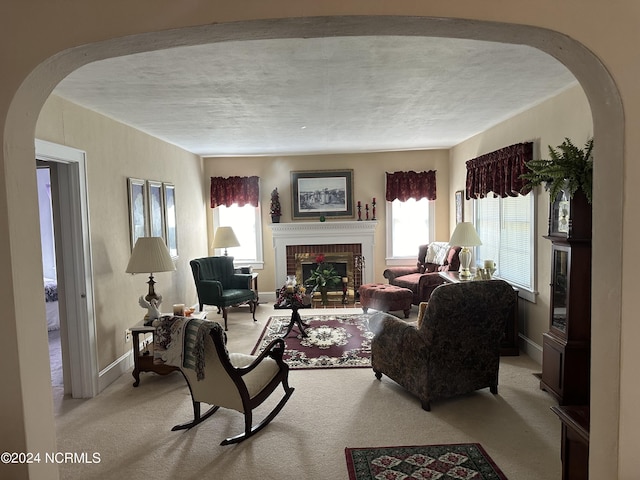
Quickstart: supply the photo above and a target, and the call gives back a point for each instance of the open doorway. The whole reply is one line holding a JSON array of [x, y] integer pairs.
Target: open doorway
[[70, 241], [50, 277]]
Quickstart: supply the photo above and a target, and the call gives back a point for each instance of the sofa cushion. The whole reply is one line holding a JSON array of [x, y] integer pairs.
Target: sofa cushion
[[437, 253]]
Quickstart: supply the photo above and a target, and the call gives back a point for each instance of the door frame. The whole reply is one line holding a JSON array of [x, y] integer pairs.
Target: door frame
[[73, 246]]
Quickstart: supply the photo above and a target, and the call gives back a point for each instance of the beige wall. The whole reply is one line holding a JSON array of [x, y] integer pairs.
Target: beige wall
[[368, 182], [115, 152], [594, 38], [565, 115]]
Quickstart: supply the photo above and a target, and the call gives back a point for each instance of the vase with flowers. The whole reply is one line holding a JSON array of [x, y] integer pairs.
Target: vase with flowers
[[292, 295], [323, 277]]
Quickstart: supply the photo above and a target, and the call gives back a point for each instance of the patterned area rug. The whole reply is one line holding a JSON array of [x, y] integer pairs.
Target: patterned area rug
[[332, 341], [442, 462]]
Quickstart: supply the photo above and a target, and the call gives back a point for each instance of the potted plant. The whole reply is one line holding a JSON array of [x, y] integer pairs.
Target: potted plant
[[275, 210], [570, 169], [323, 277]]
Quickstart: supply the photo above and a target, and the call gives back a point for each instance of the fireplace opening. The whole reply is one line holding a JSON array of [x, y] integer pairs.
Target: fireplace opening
[[340, 268], [342, 262]]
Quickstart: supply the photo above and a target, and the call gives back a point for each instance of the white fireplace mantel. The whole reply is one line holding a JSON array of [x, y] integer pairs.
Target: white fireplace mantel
[[324, 233]]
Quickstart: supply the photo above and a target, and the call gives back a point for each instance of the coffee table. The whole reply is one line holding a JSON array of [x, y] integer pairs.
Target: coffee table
[[296, 320]]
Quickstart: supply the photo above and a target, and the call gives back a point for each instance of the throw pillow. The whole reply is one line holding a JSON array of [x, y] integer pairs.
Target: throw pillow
[[441, 255], [432, 251]]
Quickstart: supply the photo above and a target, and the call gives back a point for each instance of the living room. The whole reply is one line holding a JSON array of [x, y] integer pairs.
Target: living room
[[609, 125], [569, 108], [111, 146]]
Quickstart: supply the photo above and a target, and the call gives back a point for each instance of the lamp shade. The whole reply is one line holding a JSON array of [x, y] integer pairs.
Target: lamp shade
[[465, 235], [225, 238], [150, 255]]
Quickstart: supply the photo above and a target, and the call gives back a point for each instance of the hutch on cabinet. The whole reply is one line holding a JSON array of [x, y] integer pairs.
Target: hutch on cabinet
[[566, 347]]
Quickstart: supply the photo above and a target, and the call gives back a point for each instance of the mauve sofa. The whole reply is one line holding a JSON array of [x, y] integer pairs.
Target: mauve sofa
[[423, 278]]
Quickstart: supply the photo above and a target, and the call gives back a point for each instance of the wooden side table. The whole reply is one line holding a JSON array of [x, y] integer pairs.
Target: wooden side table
[[509, 345], [143, 357]]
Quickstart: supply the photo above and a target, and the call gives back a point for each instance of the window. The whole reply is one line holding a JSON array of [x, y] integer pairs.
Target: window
[[506, 227], [247, 225], [409, 225]]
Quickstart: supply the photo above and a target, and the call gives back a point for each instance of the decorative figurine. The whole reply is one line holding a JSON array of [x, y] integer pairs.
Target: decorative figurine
[[153, 310]]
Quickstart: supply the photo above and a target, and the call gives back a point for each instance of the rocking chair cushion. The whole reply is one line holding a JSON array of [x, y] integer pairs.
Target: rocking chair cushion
[[259, 377]]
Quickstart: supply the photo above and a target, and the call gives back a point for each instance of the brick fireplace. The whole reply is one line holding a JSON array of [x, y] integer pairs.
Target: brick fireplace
[[343, 257], [344, 240]]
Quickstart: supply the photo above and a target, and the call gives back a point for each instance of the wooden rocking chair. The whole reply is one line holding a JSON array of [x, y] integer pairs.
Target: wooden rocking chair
[[237, 381]]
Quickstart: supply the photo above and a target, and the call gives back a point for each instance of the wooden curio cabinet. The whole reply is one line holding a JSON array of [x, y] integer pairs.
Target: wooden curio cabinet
[[566, 347]]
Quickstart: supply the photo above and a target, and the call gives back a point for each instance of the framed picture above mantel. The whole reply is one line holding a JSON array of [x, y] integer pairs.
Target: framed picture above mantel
[[322, 193]]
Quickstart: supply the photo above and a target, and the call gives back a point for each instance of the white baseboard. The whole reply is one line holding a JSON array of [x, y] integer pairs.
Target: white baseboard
[[113, 371], [531, 348], [267, 296]]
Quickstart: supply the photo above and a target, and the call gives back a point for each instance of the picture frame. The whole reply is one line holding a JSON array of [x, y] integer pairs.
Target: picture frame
[[156, 209], [138, 221], [322, 193], [459, 202], [170, 218]]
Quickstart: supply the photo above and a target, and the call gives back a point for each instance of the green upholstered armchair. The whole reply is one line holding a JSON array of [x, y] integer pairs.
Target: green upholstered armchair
[[218, 284], [456, 347]]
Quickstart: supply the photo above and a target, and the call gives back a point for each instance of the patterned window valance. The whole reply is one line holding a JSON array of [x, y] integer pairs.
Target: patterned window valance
[[499, 172], [240, 190], [406, 185]]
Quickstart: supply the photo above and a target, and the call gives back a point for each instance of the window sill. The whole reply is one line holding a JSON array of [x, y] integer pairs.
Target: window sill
[[401, 261]]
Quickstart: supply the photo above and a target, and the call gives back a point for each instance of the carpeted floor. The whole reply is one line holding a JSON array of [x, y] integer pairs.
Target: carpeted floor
[[444, 462], [55, 358], [329, 340], [330, 409]]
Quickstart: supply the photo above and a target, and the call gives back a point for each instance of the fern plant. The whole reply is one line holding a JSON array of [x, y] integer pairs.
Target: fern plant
[[569, 169]]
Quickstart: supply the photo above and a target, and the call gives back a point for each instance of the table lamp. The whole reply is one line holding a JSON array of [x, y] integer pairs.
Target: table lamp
[[150, 255], [465, 236], [225, 238]]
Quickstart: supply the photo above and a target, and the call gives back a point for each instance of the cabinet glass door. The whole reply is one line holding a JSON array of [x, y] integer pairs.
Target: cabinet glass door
[[559, 289]]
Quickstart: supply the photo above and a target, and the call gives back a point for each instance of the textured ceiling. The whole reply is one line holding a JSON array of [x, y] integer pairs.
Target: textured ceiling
[[319, 95]]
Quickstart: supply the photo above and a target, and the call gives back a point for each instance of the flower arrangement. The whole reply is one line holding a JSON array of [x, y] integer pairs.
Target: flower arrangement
[[323, 277], [292, 294]]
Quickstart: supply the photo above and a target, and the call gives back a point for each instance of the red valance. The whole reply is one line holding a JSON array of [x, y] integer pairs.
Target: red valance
[[406, 185], [240, 190], [499, 172]]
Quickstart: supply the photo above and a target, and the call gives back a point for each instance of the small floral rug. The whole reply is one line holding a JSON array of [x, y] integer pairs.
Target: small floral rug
[[442, 462], [332, 341]]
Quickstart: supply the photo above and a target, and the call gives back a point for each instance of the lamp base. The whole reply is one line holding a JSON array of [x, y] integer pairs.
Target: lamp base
[[465, 260], [465, 275]]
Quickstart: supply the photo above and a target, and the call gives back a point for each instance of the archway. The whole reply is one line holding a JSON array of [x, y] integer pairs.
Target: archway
[[594, 79]]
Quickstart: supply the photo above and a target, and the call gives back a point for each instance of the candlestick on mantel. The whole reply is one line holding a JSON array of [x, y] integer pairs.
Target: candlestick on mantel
[[373, 209], [359, 211], [366, 209]]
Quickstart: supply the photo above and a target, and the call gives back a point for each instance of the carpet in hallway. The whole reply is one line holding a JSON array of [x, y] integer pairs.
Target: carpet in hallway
[[444, 462], [331, 341]]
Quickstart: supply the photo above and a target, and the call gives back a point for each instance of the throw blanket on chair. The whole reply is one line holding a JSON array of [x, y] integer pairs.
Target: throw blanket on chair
[[179, 341]]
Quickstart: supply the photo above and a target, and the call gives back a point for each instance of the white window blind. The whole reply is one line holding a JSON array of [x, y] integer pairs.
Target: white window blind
[[506, 229]]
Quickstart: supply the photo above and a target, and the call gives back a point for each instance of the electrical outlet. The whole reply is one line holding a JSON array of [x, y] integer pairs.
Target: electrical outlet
[[127, 336]]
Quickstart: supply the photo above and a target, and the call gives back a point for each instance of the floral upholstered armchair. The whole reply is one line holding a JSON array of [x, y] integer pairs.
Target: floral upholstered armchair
[[423, 278], [456, 347]]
